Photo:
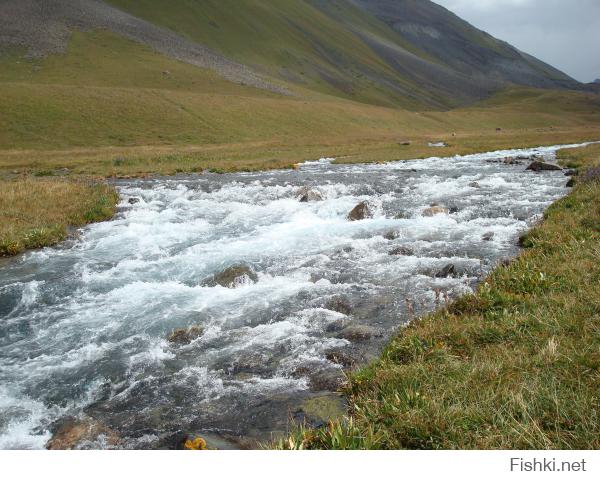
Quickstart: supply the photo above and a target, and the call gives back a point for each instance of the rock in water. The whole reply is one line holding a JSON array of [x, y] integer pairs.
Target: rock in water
[[233, 277], [339, 305], [402, 251], [489, 236], [360, 212], [447, 271], [571, 183], [433, 211], [358, 333], [185, 336], [73, 434], [538, 166], [307, 194]]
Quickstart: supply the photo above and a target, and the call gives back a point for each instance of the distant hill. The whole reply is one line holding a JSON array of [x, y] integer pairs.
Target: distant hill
[[407, 53]]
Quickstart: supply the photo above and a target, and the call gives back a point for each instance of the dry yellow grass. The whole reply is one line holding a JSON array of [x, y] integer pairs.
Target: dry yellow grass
[[38, 212]]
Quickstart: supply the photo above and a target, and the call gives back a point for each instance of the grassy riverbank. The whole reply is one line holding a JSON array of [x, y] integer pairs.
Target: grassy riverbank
[[515, 366], [37, 213]]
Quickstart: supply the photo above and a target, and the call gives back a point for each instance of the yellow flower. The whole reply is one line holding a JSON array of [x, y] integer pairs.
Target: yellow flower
[[197, 443]]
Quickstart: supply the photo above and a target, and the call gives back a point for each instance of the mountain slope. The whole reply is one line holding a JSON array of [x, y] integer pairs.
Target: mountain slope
[[406, 53]]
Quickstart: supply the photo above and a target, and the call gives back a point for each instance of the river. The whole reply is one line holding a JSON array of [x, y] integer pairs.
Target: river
[[85, 326]]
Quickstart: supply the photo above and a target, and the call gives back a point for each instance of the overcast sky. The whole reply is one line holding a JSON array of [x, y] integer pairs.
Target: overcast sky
[[564, 33]]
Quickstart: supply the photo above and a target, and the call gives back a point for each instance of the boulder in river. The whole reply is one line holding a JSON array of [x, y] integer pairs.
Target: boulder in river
[[307, 194], [436, 210], [341, 356], [185, 336], [233, 277], [489, 236], [448, 271], [134, 200], [339, 305], [360, 212], [402, 251], [571, 183], [474, 185], [538, 166], [358, 333], [391, 235], [73, 434], [327, 380]]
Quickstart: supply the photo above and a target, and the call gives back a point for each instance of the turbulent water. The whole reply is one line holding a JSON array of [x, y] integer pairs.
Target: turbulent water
[[84, 327]]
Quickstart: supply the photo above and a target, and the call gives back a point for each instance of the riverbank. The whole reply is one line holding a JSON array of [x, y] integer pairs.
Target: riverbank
[[38, 212], [515, 366]]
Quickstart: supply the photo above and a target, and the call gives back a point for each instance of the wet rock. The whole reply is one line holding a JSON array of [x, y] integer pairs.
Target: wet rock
[[134, 200], [336, 326], [307, 194], [489, 236], [453, 210], [233, 277], [341, 356], [538, 166], [402, 251], [73, 434], [436, 210], [339, 305], [571, 183], [474, 185], [319, 410], [357, 333], [327, 381], [391, 235], [360, 212], [571, 173], [448, 271], [185, 336]]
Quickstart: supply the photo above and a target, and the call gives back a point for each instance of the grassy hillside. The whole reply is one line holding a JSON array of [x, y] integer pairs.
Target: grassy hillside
[[290, 40], [515, 366], [406, 53]]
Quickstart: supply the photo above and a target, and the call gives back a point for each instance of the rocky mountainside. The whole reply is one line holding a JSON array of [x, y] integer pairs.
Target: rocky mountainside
[[409, 53]]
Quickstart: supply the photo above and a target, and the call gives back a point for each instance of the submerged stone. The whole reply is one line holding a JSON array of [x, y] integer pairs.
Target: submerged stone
[[307, 194], [538, 166], [360, 212], [185, 336], [233, 277], [86, 433], [436, 210]]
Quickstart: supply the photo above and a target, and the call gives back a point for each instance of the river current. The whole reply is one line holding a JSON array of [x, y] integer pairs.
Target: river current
[[85, 327]]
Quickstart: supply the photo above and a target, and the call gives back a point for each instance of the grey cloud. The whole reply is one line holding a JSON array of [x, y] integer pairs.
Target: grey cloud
[[564, 33]]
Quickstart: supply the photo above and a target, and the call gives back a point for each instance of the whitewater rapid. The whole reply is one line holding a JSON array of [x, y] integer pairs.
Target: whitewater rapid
[[84, 326]]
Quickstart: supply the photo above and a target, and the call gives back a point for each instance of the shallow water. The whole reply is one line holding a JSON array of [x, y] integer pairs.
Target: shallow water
[[84, 327]]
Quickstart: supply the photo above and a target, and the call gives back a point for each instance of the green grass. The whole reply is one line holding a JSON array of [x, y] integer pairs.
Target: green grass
[[37, 213], [514, 366]]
